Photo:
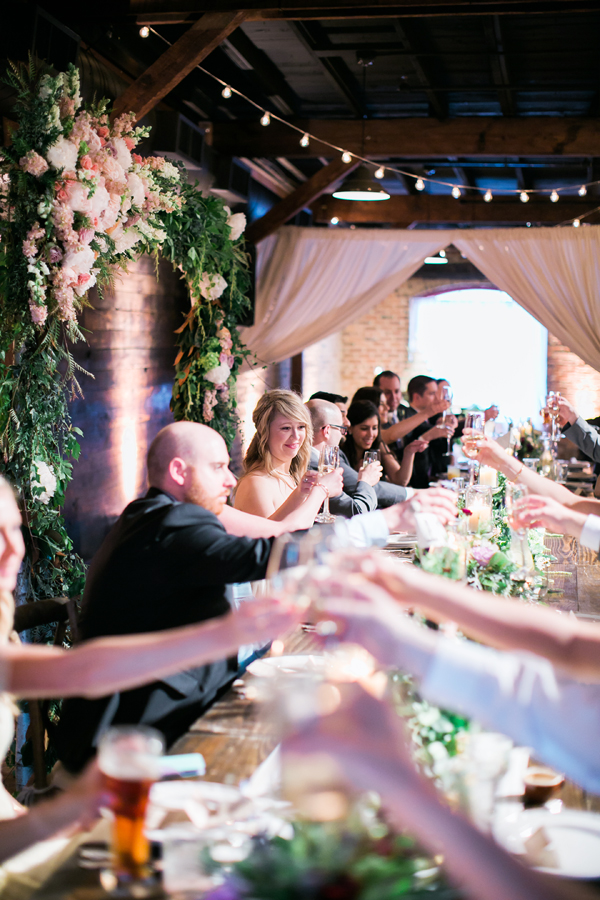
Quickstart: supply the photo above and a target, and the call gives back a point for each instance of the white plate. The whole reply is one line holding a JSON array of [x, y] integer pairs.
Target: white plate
[[271, 664], [574, 837], [401, 542]]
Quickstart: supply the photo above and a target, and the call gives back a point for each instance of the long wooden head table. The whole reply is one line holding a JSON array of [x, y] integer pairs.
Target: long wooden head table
[[234, 737]]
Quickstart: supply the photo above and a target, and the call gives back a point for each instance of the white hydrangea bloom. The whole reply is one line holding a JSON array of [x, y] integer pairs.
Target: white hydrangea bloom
[[62, 154], [219, 374], [237, 224], [43, 477], [212, 286]]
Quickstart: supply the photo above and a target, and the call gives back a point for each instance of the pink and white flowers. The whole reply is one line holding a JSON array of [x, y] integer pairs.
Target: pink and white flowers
[[101, 205]]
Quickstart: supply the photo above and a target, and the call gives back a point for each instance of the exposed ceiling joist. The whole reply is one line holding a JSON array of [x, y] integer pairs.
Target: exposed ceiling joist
[[301, 197], [417, 137], [498, 64], [155, 12], [178, 61], [405, 31], [402, 211]]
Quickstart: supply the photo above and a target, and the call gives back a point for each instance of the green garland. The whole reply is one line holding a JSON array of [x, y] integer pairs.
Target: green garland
[[203, 242]]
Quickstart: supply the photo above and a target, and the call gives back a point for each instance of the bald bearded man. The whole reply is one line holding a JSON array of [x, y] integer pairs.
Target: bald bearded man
[[165, 563]]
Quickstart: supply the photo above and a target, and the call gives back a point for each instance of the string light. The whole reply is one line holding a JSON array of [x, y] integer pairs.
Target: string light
[[380, 172], [442, 253], [576, 223], [334, 220], [554, 197], [347, 157]]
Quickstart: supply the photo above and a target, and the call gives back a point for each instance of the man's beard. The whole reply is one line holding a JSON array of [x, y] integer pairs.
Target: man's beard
[[195, 493]]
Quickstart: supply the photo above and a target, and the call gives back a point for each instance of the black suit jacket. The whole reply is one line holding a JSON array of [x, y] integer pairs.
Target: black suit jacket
[[163, 564]]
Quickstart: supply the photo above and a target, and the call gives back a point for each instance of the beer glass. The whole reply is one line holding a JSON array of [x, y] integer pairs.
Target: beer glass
[[128, 759]]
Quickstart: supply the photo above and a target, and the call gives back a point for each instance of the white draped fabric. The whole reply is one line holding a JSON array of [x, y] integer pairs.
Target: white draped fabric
[[312, 282], [554, 273]]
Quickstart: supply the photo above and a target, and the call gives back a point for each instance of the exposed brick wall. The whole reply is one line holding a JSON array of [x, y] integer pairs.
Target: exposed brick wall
[[130, 351], [578, 382]]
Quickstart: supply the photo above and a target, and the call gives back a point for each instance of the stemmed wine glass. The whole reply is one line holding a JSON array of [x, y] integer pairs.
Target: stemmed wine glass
[[552, 405], [447, 396], [329, 458], [515, 494], [473, 432]]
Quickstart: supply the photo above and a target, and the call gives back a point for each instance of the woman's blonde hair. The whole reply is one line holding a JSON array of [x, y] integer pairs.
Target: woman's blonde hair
[[258, 455]]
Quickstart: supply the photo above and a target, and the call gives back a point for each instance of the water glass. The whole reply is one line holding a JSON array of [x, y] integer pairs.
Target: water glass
[[479, 502]]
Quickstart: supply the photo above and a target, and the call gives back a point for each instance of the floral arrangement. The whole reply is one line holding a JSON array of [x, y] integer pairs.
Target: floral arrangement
[[332, 861], [204, 242], [76, 201]]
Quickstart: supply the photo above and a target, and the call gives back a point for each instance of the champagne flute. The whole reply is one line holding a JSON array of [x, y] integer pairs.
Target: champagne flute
[[328, 462], [370, 456], [447, 395], [473, 432], [552, 403], [515, 494]]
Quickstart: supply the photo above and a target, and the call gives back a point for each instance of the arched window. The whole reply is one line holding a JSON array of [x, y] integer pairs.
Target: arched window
[[487, 346]]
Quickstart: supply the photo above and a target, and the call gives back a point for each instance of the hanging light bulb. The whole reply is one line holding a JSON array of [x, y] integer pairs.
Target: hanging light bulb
[[442, 253], [524, 197], [456, 192], [488, 196], [582, 190], [144, 31], [304, 140], [265, 119], [346, 157], [334, 220], [226, 92], [554, 197], [420, 184], [380, 172], [576, 223]]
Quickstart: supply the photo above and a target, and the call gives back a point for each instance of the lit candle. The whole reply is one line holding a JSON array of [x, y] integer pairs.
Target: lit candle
[[480, 517], [488, 476], [453, 472]]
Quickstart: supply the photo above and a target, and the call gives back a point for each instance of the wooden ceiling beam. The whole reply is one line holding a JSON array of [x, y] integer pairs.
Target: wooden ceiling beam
[[178, 61], [155, 12], [402, 211], [303, 196], [417, 138]]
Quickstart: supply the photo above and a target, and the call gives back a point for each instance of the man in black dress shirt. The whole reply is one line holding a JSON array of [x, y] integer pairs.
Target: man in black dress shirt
[[423, 396], [165, 563]]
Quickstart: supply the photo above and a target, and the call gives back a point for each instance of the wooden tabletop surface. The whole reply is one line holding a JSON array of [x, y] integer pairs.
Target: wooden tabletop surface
[[235, 737]]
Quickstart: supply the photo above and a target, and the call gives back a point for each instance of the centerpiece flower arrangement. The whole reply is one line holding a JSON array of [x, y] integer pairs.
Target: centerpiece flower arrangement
[[359, 859]]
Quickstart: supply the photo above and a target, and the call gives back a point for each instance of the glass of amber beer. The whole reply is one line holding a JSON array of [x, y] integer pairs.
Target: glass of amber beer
[[128, 759]]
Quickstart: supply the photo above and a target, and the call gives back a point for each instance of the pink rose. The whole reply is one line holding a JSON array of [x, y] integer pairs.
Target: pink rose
[[55, 254], [129, 142], [86, 235], [102, 131], [85, 162], [136, 158]]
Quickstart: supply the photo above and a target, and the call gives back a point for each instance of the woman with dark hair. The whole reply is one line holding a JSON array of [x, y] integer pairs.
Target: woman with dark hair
[[376, 396], [364, 435]]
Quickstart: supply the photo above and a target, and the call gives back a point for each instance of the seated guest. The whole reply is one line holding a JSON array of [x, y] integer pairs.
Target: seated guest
[[106, 664], [327, 427], [584, 434], [340, 401], [397, 426], [166, 563], [364, 435], [423, 397], [277, 459], [377, 397]]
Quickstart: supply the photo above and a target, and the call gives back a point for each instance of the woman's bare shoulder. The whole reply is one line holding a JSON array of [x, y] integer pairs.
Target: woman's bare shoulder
[[255, 493]]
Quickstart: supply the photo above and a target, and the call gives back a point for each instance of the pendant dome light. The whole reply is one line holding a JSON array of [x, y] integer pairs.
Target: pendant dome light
[[361, 185]]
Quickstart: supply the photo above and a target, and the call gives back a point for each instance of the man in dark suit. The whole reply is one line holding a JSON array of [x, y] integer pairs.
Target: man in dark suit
[[423, 397], [165, 563]]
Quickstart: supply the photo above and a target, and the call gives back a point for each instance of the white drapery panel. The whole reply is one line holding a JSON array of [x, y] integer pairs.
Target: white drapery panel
[[312, 282], [554, 273]]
